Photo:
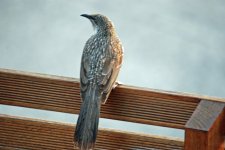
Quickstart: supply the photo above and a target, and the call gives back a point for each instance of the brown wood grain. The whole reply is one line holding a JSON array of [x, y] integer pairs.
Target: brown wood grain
[[206, 128], [24, 133], [125, 103]]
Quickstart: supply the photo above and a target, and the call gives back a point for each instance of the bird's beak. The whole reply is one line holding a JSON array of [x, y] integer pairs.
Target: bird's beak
[[87, 16]]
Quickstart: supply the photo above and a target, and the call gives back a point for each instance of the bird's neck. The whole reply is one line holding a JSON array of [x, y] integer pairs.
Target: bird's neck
[[106, 32]]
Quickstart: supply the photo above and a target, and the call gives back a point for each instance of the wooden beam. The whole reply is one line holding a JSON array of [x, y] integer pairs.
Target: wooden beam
[[125, 103], [23, 133], [206, 128]]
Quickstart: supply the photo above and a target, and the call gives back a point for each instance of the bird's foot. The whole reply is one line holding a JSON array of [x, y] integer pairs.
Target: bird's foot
[[116, 84]]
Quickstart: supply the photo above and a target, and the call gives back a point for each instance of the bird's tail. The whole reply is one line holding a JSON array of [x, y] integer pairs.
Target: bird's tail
[[87, 124]]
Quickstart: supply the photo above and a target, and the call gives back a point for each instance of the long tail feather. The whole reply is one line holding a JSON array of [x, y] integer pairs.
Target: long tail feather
[[87, 124]]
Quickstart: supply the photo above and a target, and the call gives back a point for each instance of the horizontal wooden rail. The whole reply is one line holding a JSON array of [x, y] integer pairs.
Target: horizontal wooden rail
[[202, 117], [22, 133], [125, 103]]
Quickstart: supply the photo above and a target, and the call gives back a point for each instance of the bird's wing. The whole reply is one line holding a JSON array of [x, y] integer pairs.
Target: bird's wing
[[107, 66], [84, 79], [110, 72]]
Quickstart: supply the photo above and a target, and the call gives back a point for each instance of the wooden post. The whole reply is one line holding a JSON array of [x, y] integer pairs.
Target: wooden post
[[205, 130]]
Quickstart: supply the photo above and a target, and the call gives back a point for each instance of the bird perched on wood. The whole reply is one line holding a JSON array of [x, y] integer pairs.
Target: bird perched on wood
[[100, 65]]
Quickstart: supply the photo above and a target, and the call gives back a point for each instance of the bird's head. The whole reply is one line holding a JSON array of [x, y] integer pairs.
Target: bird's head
[[100, 22]]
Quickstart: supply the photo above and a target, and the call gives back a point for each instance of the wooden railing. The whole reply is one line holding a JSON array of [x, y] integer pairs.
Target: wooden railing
[[202, 118]]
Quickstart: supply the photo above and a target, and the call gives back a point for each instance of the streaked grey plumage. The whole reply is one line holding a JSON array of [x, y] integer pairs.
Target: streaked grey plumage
[[100, 65]]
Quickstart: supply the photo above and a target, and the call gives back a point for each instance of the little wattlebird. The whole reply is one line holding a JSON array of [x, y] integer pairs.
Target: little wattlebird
[[100, 65]]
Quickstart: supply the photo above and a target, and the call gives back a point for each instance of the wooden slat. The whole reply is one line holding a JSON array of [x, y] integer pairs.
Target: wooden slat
[[23, 133], [126, 103], [206, 128]]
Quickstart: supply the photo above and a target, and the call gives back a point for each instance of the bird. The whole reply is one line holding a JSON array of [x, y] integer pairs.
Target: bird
[[100, 65]]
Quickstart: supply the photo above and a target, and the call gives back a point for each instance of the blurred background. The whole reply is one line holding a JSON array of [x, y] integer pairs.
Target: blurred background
[[169, 45]]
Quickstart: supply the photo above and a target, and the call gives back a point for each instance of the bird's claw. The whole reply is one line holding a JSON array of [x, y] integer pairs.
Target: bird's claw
[[116, 84]]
